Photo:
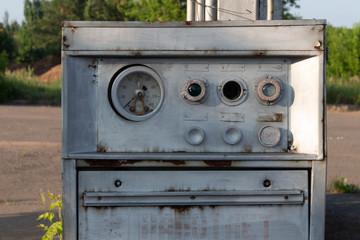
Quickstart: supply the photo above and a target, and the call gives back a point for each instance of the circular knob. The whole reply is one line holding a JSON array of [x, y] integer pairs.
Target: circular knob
[[232, 135], [269, 136], [194, 90], [195, 136]]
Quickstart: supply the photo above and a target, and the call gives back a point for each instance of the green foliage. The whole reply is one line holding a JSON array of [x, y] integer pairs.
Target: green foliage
[[341, 186], [343, 91], [3, 86], [3, 62], [287, 5], [54, 230], [344, 54], [157, 10], [23, 85], [106, 10], [7, 41]]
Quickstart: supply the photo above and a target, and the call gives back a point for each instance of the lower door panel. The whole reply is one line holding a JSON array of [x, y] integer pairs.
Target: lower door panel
[[220, 205]]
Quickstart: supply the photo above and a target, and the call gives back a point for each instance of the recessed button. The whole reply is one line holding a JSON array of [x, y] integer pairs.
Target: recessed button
[[195, 136], [232, 135], [269, 136]]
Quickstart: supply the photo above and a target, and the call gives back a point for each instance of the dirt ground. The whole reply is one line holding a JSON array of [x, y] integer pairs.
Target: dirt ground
[[30, 160]]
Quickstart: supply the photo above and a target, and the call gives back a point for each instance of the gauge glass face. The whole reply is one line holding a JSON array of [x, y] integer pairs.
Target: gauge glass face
[[137, 93]]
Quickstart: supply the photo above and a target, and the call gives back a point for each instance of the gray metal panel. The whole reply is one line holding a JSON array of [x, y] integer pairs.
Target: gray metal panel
[[237, 10], [103, 162], [166, 131], [172, 37], [79, 104], [192, 198], [263, 9], [69, 210], [318, 200], [285, 222]]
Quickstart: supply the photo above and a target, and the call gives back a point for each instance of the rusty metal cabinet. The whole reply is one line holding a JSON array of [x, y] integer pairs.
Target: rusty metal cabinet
[[194, 130]]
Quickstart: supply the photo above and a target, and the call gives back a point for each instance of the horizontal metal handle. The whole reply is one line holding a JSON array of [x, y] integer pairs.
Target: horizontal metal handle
[[192, 198]]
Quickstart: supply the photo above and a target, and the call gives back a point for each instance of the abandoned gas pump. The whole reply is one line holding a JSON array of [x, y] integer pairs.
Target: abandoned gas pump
[[195, 130]]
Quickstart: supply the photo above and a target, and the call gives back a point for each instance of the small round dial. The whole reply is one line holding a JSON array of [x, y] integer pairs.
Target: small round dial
[[137, 93]]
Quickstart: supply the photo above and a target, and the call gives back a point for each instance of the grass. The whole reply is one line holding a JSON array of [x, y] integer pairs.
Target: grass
[[23, 85], [340, 91], [341, 186]]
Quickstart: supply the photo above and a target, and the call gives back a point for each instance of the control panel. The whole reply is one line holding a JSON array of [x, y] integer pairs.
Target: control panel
[[194, 105]]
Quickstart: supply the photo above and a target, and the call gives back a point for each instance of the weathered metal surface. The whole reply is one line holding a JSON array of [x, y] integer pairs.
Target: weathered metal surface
[[103, 162], [100, 214], [69, 203], [191, 198], [168, 131], [175, 38]]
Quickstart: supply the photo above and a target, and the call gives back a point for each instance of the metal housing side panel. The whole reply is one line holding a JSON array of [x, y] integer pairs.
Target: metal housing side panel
[[69, 210], [306, 118], [79, 104]]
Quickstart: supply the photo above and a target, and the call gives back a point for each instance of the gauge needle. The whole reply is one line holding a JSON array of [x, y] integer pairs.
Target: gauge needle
[[129, 102]]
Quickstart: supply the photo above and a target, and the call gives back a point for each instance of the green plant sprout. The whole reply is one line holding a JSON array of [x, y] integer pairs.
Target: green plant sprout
[[341, 186], [54, 231]]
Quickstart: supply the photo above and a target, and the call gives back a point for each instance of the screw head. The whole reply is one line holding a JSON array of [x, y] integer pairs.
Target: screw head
[[118, 183]]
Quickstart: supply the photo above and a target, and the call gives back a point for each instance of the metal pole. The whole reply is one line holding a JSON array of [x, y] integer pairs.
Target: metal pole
[[190, 10], [200, 10], [270, 9], [210, 10]]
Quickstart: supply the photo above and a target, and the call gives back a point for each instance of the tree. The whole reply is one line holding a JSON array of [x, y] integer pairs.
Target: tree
[[287, 5], [157, 10], [106, 10]]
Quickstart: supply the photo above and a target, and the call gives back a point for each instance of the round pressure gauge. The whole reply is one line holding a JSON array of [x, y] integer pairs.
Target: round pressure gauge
[[137, 93]]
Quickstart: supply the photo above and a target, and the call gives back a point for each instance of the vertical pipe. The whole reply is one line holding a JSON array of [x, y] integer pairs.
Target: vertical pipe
[[270, 9], [190, 10], [210, 10], [200, 10]]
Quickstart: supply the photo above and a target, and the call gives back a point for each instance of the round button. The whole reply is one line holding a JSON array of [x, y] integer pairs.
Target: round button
[[269, 136], [195, 136], [232, 135]]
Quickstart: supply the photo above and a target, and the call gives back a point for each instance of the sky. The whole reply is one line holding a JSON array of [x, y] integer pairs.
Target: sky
[[339, 13]]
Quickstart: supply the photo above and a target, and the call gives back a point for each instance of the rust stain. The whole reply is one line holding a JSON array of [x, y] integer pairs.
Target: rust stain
[[188, 23], [181, 209], [64, 38], [219, 163], [175, 162], [101, 148], [66, 45], [247, 149], [136, 53], [319, 47], [73, 30], [93, 64], [110, 163], [260, 53], [276, 117]]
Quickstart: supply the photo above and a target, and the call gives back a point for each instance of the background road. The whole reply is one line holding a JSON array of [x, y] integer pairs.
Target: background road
[[30, 158]]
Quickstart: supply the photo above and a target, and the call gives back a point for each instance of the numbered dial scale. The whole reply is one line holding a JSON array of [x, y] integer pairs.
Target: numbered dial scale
[[137, 93]]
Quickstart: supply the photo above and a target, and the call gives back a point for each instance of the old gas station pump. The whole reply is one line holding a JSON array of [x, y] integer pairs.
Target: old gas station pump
[[194, 130]]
